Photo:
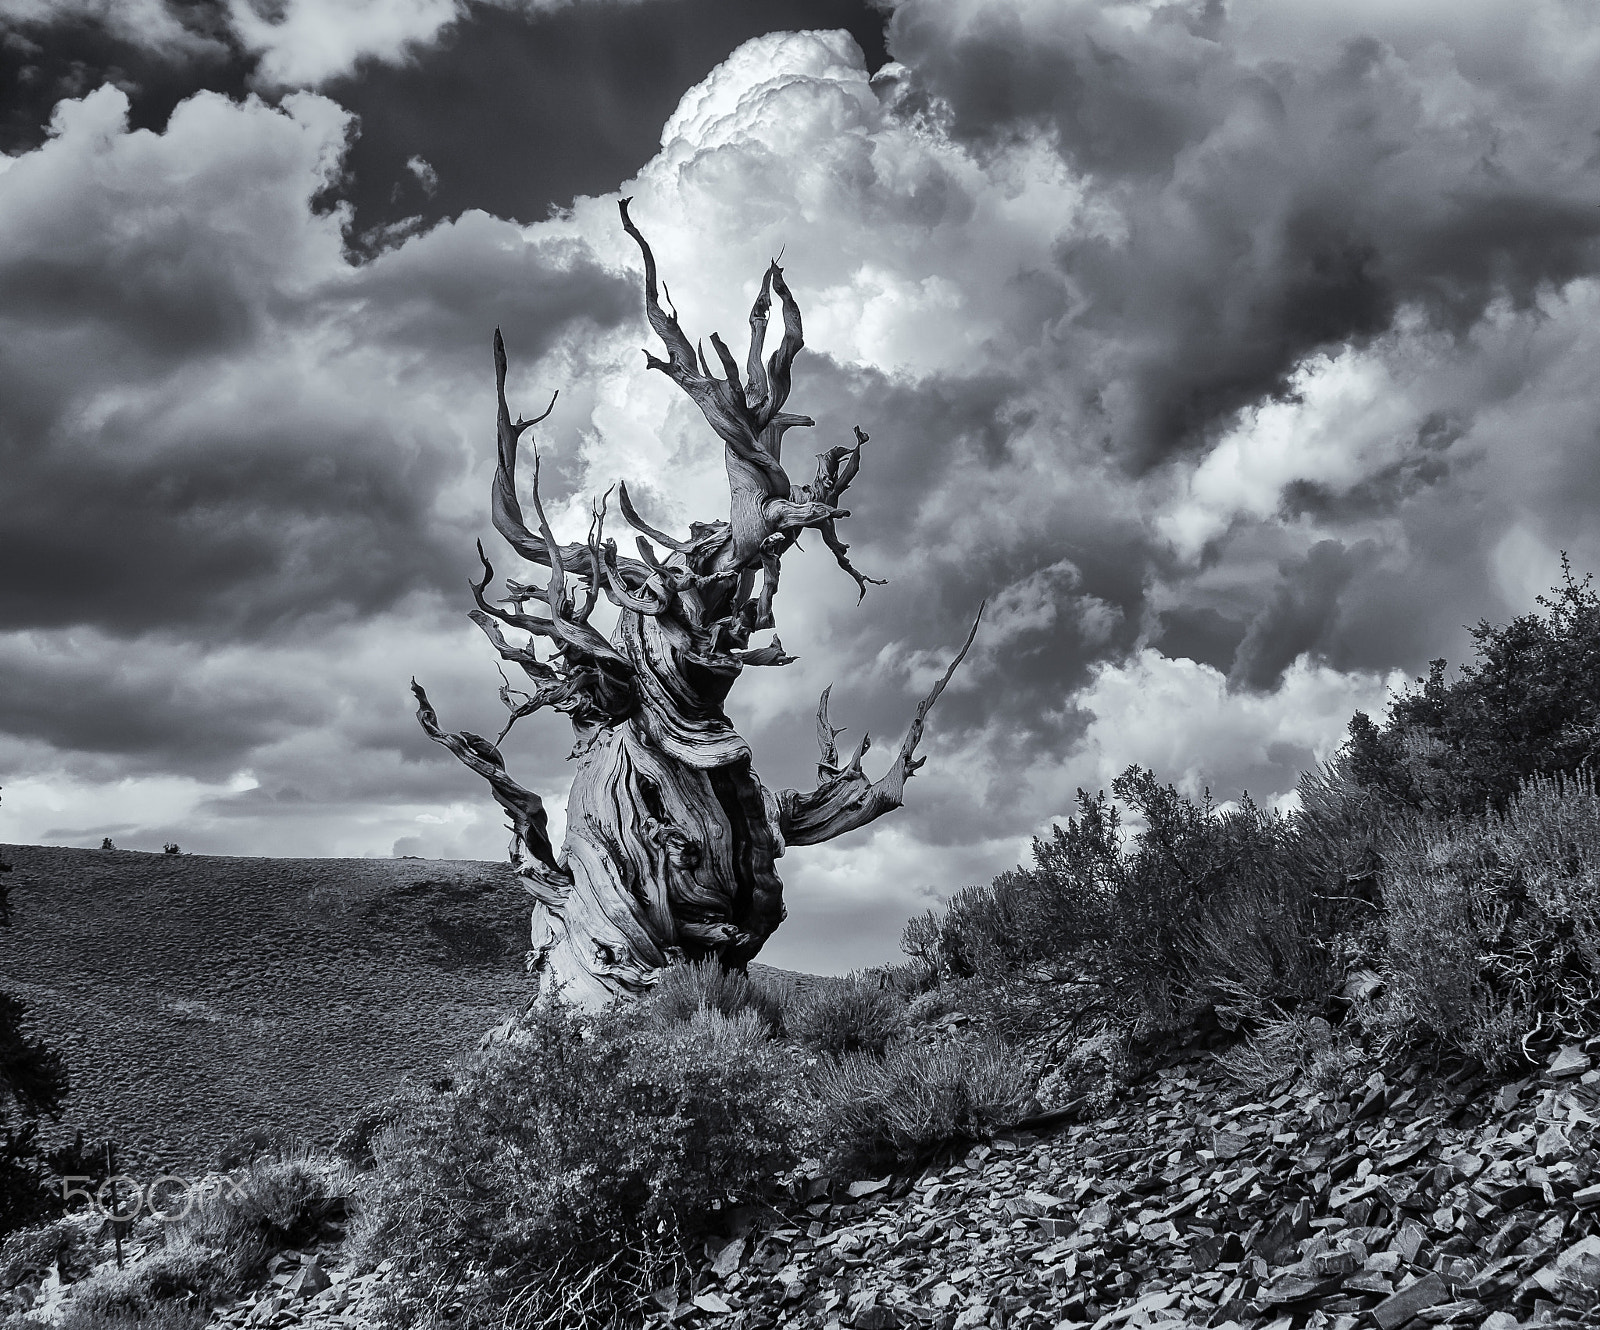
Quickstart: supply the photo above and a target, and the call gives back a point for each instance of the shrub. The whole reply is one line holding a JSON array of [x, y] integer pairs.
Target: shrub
[[847, 1016], [919, 939], [1528, 704], [1201, 910], [1092, 1068], [1031, 917], [1259, 944], [29, 1254], [1494, 922], [33, 1082], [907, 981], [571, 1158], [1294, 1045], [1341, 830], [26, 1196], [356, 1142], [161, 1316], [280, 1201], [903, 1106], [685, 989], [167, 1281], [267, 1142]]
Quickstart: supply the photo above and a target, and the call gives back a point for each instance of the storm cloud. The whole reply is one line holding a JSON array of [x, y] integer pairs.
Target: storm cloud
[[1238, 355]]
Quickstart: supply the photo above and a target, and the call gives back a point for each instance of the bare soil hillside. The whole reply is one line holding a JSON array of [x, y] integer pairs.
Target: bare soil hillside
[[195, 997]]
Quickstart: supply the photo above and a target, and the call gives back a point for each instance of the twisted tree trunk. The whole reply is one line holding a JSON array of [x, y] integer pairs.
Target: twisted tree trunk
[[672, 840]]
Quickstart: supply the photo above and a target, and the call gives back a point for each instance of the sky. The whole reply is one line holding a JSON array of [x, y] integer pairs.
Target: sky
[[1240, 353]]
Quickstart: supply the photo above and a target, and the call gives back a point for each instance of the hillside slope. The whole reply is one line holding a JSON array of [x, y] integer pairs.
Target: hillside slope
[[1402, 1201], [195, 997]]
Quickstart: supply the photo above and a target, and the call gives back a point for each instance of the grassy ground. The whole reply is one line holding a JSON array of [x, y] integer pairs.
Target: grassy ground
[[195, 997]]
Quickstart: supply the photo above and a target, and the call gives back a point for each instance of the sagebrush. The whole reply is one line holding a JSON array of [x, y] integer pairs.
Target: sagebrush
[[1494, 922], [570, 1160]]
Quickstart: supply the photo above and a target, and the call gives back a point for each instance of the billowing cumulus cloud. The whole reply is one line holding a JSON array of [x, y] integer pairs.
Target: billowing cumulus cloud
[[205, 418], [1237, 356]]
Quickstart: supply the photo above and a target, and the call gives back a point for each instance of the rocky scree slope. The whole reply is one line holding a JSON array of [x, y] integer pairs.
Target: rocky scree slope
[[1401, 1203], [1404, 1202]]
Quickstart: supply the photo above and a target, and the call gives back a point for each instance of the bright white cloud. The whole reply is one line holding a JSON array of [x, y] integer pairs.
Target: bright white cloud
[[1344, 418], [1179, 719], [1004, 311], [306, 42]]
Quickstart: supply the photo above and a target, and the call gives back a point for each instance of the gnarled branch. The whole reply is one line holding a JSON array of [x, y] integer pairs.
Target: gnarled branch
[[844, 798], [529, 822], [721, 401]]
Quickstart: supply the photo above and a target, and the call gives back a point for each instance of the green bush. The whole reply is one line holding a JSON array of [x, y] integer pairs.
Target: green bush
[[847, 1016], [918, 1096], [557, 1177], [685, 989], [28, 1254], [180, 1274], [1529, 704], [1199, 911], [279, 1202], [1494, 922]]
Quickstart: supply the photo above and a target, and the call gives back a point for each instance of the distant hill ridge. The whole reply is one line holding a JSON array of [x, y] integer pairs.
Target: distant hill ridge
[[198, 996]]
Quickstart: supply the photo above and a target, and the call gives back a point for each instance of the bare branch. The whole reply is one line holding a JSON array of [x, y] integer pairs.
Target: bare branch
[[576, 633], [771, 654], [721, 401], [756, 390], [844, 799], [526, 657], [525, 622], [908, 748], [781, 361], [530, 823], [660, 597], [665, 325], [730, 368], [830, 538], [786, 514], [516, 710], [639, 524], [828, 764]]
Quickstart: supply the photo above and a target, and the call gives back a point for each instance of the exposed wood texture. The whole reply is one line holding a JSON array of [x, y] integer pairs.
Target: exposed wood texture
[[672, 840]]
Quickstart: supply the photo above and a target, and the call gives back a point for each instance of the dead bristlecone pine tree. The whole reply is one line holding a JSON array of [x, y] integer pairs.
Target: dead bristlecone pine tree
[[672, 840]]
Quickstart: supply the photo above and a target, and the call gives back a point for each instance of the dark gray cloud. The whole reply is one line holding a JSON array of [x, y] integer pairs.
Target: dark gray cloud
[[1270, 205], [1201, 633], [512, 109], [518, 113], [162, 714], [1301, 616], [76, 50], [171, 457]]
